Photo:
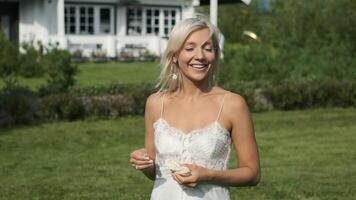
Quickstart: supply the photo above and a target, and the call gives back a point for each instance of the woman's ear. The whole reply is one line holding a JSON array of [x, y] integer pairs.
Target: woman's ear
[[174, 59]]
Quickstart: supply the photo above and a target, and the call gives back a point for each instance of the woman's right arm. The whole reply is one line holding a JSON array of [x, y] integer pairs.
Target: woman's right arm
[[143, 159]]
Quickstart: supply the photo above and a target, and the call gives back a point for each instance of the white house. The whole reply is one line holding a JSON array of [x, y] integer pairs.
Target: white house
[[92, 25]]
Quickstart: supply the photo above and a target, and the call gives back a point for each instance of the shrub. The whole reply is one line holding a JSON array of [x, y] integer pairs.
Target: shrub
[[60, 70], [17, 106], [31, 60], [9, 61], [97, 107], [62, 106], [315, 93]]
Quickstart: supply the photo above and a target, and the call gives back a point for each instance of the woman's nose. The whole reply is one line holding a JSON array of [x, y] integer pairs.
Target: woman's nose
[[199, 54]]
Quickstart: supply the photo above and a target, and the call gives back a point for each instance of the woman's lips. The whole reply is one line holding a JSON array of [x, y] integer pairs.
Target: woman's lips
[[199, 66]]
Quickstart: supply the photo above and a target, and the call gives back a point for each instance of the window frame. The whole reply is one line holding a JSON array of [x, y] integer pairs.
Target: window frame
[[153, 25], [96, 24]]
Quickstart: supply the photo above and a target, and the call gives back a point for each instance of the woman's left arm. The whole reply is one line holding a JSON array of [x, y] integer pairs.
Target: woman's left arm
[[243, 136]]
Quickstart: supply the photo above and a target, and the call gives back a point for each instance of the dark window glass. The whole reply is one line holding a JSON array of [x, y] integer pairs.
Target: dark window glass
[[90, 11], [82, 10], [130, 12], [156, 13], [72, 29], [91, 30], [105, 20]]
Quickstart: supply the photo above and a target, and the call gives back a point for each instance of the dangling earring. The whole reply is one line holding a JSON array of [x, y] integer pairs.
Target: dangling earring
[[174, 74]]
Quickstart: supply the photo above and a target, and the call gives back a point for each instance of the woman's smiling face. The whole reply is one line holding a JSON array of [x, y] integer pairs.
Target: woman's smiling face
[[197, 56]]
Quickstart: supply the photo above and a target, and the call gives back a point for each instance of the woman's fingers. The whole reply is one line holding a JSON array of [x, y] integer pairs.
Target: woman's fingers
[[140, 162], [141, 167], [184, 180], [174, 175]]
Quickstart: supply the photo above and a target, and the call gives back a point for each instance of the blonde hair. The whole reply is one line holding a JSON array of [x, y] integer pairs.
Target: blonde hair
[[179, 34]]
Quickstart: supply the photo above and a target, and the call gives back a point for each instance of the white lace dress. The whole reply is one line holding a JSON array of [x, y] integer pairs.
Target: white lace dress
[[208, 147]]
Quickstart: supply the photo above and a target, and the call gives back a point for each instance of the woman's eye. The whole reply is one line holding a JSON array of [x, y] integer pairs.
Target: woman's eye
[[189, 49], [209, 49]]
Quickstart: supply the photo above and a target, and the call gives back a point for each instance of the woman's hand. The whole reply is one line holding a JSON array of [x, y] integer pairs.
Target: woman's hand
[[197, 175], [140, 160]]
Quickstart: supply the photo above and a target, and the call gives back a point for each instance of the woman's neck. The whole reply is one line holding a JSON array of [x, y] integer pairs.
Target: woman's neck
[[192, 89]]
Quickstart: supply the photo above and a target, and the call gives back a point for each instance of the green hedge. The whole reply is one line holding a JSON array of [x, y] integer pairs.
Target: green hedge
[[21, 106]]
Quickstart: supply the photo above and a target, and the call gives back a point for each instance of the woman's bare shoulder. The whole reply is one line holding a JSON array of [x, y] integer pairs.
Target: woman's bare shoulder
[[154, 99], [154, 104], [235, 102]]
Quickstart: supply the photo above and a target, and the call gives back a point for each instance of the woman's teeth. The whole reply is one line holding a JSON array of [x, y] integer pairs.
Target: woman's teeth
[[199, 66]]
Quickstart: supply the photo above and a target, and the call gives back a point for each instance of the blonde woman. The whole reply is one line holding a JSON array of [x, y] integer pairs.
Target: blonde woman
[[191, 124]]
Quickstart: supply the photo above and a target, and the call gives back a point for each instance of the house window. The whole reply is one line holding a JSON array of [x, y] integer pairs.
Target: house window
[[151, 20], [70, 20], [86, 22], [105, 23], [89, 20], [134, 21], [169, 20]]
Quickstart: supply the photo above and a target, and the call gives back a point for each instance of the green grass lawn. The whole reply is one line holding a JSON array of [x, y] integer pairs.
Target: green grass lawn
[[308, 155], [95, 74]]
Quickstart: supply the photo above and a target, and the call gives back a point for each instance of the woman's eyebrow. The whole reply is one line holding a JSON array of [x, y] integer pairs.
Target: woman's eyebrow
[[194, 43]]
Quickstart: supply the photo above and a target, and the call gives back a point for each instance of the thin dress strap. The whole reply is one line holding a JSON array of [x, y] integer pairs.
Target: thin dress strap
[[221, 107], [162, 106]]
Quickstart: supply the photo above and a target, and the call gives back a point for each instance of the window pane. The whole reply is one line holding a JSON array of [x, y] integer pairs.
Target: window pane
[[82, 11], [149, 30], [72, 29], [105, 20], [134, 18], [69, 19], [91, 30], [90, 11], [72, 10], [130, 12], [156, 13]]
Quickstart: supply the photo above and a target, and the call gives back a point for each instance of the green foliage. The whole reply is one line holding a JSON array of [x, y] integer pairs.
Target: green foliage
[[60, 70], [311, 94], [297, 42], [31, 60], [62, 106], [9, 62], [17, 106]]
